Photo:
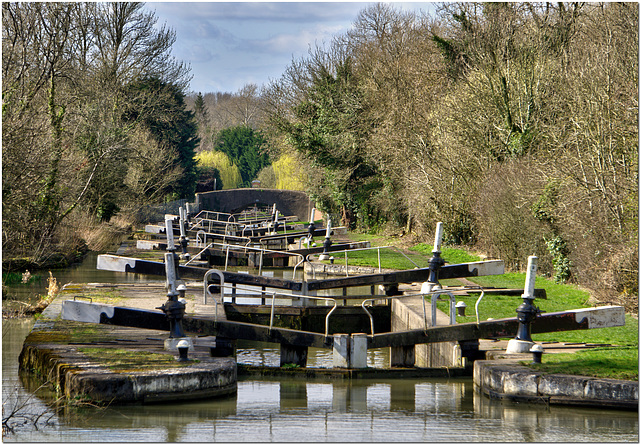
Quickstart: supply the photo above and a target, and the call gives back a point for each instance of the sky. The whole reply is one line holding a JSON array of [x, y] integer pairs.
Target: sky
[[231, 44]]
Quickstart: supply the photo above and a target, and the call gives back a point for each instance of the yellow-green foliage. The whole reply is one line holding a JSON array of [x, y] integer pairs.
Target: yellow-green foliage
[[289, 173], [229, 173]]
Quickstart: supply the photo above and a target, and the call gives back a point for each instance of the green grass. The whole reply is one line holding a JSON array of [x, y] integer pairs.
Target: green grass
[[450, 255], [417, 256], [389, 258], [620, 362], [614, 363], [559, 298]]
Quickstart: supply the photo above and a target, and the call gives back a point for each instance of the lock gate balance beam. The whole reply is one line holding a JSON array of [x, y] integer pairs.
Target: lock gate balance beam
[[131, 265], [581, 319]]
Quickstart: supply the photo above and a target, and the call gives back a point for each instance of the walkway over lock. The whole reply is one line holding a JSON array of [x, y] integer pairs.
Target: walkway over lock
[[580, 319], [294, 203], [295, 342]]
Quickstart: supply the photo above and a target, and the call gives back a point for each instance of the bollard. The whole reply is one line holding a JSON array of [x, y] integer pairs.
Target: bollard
[[527, 312], [327, 242], [312, 226], [276, 224], [461, 307], [168, 222], [537, 351], [183, 350]]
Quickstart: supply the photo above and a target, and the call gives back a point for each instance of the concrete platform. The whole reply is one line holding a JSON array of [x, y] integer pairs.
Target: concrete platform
[[507, 379], [114, 365]]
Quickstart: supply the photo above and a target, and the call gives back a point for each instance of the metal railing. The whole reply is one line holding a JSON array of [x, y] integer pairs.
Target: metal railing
[[200, 241], [245, 248], [452, 319], [346, 256], [263, 294]]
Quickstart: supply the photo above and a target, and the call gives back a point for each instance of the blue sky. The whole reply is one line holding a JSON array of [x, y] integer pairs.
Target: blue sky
[[231, 44]]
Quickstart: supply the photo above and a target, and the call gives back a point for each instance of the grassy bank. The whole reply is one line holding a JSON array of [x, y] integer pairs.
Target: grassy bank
[[619, 361]]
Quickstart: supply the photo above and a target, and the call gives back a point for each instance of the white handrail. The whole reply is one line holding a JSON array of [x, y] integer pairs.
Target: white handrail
[[349, 250]]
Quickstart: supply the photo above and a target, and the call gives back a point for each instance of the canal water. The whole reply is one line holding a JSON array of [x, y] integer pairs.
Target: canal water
[[287, 410]]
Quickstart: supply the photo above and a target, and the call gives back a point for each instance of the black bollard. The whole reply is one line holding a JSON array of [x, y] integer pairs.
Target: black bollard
[[527, 313]]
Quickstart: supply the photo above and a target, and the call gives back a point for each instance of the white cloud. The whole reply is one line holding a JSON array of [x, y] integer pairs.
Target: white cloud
[[230, 44]]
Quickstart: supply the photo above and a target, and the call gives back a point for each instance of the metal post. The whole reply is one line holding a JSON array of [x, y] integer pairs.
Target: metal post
[[171, 245], [527, 312], [168, 222], [327, 242], [173, 308], [312, 226], [435, 263], [275, 223], [183, 238]]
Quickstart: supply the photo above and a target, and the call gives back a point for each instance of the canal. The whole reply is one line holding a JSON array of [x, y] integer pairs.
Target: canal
[[282, 410]]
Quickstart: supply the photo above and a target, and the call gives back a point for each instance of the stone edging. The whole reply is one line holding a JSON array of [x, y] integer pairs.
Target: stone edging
[[506, 379], [78, 378]]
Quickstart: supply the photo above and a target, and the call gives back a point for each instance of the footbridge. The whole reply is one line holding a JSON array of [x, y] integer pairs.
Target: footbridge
[[294, 203]]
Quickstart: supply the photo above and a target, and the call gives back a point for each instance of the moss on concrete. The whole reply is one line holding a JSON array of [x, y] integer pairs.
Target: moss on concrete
[[123, 361]]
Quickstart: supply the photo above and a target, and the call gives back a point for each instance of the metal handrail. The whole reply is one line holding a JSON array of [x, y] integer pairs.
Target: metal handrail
[[273, 294], [198, 254], [266, 250], [366, 249], [399, 296], [477, 303], [203, 214], [300, 296], [206, 291]]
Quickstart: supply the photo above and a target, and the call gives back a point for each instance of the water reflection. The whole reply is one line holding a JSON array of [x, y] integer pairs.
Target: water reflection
[[357, 410], [315, 410]]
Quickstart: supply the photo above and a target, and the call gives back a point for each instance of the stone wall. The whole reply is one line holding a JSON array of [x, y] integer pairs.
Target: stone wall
[[288, 202]]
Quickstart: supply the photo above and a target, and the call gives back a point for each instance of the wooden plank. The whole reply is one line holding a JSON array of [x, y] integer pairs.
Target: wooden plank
[[132, 265], [539, 293]]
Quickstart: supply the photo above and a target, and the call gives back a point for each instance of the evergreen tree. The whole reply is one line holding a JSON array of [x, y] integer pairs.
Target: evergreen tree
[[160, 108], [245, 148]]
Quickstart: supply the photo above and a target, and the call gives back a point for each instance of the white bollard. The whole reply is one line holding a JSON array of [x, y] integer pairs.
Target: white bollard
[[182, 220], [530, 282], [313, 215], [168, 222], [170, 269], [522, 342], [438, 239]]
